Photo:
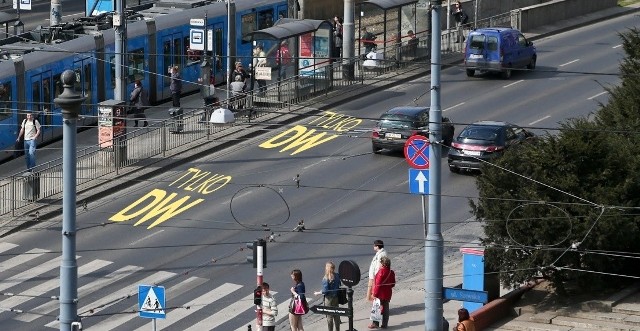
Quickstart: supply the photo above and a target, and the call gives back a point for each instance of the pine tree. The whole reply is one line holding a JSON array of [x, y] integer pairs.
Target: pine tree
[[568, 211]]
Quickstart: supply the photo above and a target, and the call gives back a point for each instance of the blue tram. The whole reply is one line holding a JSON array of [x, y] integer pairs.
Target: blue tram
[[157, 38]]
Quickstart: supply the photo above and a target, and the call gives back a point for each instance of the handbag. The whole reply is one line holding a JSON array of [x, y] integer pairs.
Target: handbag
[[376, 310], [298, 306], [342, 296]]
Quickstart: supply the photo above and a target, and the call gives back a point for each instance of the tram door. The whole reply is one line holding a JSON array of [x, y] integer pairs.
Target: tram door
[[41, 96], [171, 56], [84, 77], [218, 53]]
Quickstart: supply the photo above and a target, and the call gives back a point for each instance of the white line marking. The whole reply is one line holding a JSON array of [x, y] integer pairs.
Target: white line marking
[[113, 298], [197, 304], [113, 322], [514, 83], [145, 237], [562, 65], [21, 259], [43, 288], [617, 46], [31, 273], [85, 290], [540, 120], [597, 95], [458, 105]]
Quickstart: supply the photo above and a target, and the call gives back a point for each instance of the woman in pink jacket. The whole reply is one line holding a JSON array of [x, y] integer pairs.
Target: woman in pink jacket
[[385, 280]]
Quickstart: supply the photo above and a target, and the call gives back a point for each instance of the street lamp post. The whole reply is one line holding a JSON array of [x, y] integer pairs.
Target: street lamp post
[[70, 101]]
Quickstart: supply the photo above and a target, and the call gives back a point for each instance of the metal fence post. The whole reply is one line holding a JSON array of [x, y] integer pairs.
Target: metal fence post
[[163, 138]]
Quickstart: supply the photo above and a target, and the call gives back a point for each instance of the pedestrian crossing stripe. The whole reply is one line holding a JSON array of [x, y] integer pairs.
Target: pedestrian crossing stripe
[[151, 301]]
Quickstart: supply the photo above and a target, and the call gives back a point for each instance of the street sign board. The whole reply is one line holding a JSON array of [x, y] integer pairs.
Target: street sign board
[[197, 21], [196, 37], [418, 181], [459, 294], [327, 310], [151, 301], [416, 152]]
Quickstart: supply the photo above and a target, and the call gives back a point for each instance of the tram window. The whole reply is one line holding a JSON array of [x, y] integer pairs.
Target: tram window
[[282, 14], [5, 101], [177, 51], [57, 85], [218, 48], [35, 100], [86, 88], [265, 19], [46, 98], [136, 65], [193, 56], [112, 66], [248, 25]]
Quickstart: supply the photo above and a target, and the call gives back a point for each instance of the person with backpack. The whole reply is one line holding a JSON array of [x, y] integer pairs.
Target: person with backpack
[[30, 128], [139, 101], [330, 288]]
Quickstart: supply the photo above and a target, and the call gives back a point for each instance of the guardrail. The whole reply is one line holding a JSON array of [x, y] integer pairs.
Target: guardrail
[[20, 192]]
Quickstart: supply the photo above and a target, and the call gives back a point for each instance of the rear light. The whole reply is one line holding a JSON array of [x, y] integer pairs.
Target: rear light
[[414, 132], [375, 134], [456, 145]]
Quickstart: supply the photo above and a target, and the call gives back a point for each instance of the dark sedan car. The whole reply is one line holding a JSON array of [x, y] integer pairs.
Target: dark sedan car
[[483, 141], [396, 125]]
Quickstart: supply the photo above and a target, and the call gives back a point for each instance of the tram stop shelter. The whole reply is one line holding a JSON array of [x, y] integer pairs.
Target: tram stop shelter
[[8, 21], [298, 53], [398, 31]]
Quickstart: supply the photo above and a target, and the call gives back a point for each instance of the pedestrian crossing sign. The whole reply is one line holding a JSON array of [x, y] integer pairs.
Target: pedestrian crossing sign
[[151, 302]]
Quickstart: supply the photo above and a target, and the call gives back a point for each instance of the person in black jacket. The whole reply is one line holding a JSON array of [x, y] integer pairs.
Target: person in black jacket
[[139, 101], [461, 18]]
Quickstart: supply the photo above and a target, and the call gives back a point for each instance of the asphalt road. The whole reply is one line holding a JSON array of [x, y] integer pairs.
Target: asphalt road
[[347, 197]]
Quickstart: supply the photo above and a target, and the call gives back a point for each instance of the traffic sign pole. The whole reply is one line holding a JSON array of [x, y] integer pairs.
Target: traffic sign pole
[[434, 243]]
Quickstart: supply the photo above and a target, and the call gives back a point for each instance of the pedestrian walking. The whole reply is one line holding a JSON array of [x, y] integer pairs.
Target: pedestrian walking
[[260, 60], [297, 291], [378, 247], [461, 18], [330, 287], [465, 323], [382, 289], [337, 38], [368, 41], [139, 101], [283, 59], [176, 86], [30, 128], [269, 309], [412, 44]]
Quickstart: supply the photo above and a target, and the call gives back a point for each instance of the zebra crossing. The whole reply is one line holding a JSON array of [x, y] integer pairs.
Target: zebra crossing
[[26, 310]]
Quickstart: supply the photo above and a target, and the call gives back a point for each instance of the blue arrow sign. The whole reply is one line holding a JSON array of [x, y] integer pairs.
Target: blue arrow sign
[[151, 301], [418, 181]]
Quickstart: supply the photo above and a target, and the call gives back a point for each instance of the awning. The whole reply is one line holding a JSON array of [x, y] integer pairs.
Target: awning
[[389, 4], [7, 18], [287, 28]]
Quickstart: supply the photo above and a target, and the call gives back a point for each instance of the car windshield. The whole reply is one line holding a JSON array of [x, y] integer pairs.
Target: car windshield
[[397, 121], [487, 133]]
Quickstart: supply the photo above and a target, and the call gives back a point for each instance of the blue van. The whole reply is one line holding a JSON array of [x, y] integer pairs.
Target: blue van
[[498, 50]]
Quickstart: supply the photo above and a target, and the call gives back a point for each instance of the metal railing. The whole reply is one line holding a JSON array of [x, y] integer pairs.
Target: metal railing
[[44, 186]]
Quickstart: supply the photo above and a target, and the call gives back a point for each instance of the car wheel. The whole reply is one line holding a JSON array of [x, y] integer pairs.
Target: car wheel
[[376, 149], [455, 170], [506, 74], [532, 64], [470, 72]]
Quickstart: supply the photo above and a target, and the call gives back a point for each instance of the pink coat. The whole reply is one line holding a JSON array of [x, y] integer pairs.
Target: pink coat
[[385, 279]]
